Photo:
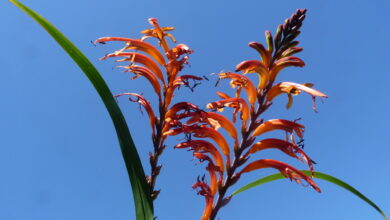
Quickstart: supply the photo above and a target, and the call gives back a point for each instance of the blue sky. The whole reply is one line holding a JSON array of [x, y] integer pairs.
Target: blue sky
[[59, 156]]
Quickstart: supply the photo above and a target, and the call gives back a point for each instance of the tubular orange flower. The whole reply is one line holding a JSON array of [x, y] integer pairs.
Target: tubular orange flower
[[203, 132], [285, 169], [264, 53], [238, 104], [180, 106], [241, 82], [294, 89], [285, 146], [279, 124], [216, 121], [134, 44], [201, 146], [205, 191], [178, 51], [138, 58], [255, 66], [283, 63], [145, 103], [179, 81], [143, 71]]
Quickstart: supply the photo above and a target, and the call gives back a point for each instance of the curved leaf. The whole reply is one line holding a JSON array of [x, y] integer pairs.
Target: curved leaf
[[318, 175], [141, 192]]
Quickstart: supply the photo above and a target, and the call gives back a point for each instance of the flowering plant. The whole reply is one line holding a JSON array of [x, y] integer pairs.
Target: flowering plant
[[227, 158]]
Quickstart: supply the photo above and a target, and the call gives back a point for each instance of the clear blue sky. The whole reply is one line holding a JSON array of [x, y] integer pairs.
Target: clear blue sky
[[59, 156]]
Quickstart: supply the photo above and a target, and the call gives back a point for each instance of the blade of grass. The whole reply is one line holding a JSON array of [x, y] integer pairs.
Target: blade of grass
[[141, 192], [318, 175]]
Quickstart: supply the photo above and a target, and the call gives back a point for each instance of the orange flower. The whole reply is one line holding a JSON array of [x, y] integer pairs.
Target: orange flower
[[283, 63], [205, 191], [201, 146], [264, 53], [143, 71], [179, 81], [285, 146], [180, 106], [203, 132], [138, 58], [279, 124], [294, 89], [159, 33], [255, 66], [241, 82], [145, 103], [285, 169], [215, 121], [238, 104], [134, 44]]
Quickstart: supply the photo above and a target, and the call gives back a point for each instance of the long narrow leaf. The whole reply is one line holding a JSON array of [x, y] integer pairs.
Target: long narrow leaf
[[141, 193], [318, 175]]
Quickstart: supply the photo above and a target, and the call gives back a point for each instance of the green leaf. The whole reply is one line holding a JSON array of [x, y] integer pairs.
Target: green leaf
[[318, 175], [141, 191]]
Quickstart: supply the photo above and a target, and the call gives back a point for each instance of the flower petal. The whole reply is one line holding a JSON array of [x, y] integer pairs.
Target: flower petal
[[203, 132], [294, 89], [287, 170], [283, 63], [139, 58], [223, 95], [243, 82], [239, 104], [181, 106], [179, 81], [291, 51], [264, 53], [202, 146], [279, 124], [134, 44], [255, 66], [145, 103], [215, 121], [285, 146], [143, 71]]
